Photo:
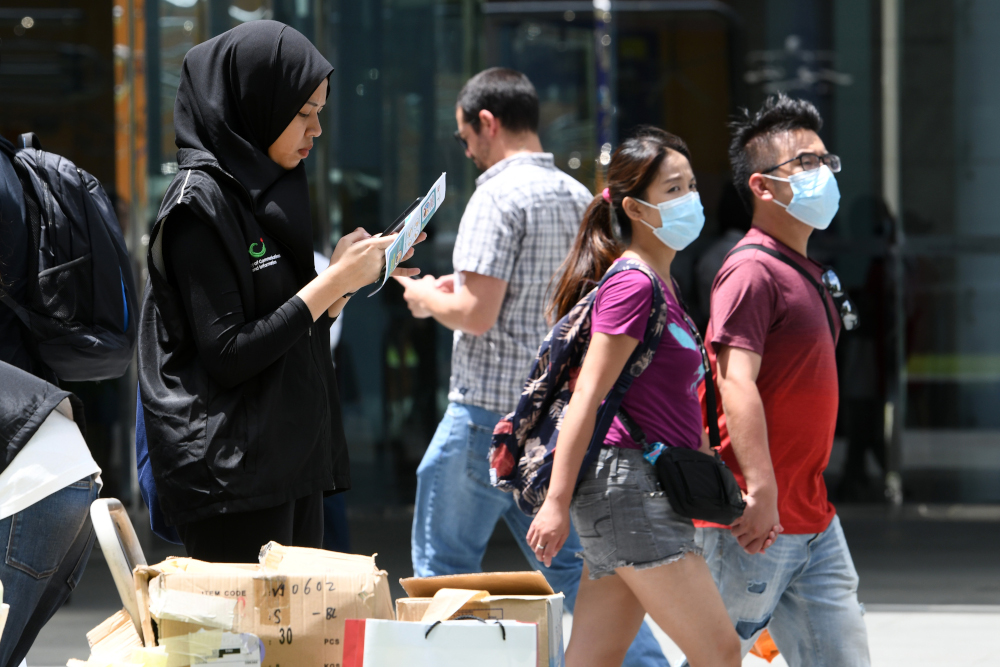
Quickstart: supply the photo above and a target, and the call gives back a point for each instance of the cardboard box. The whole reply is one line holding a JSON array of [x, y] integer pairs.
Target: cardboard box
[[516, 596], [295, 601]]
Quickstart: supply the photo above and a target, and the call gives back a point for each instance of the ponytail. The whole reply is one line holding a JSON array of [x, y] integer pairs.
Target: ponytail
[[606, 232], [598, 244]]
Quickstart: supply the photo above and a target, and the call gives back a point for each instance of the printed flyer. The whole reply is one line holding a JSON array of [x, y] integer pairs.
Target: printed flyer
[[414, 224]]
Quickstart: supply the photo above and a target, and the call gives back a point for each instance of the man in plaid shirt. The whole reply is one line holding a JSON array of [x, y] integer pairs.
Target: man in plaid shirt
[[518, 227]]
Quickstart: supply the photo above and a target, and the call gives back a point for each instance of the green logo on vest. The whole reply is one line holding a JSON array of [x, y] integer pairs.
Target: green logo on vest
[[257, 253]]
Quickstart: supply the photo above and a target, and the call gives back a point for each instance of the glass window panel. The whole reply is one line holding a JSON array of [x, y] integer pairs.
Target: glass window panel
[[685, 67]]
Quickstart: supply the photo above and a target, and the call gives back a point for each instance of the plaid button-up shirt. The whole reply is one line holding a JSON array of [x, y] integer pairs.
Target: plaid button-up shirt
[[519, 226]]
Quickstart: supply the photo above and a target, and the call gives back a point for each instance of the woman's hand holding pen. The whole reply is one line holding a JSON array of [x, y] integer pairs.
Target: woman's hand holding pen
[[346, 241], [357, 261], [359, 258], [362, 256]]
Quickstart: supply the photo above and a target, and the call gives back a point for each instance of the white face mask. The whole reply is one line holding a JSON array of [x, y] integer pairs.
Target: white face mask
[[815, 196], [681, 220]]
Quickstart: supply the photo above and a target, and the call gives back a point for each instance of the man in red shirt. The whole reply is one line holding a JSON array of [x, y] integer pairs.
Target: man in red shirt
[[773, 331]]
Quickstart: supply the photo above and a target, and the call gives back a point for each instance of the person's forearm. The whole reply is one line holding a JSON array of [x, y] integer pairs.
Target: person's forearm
[[747, 428], [338, 307], [238, 354], [574, 436], [324, 291], [451, 309]]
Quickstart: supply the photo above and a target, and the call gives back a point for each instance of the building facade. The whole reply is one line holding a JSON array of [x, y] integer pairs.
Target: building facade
[[906, 87]]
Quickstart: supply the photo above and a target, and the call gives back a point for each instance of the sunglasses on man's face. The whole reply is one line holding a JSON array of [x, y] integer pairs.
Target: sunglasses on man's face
[[848, 312], [459, 139]]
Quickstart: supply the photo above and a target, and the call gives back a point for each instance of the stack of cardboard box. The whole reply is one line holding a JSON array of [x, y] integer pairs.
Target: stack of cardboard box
[[291, 608], [287, 610]]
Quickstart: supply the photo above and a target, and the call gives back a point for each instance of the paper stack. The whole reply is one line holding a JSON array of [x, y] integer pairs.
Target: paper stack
[[115, 643]]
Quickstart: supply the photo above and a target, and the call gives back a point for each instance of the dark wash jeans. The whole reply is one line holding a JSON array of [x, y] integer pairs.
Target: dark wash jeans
[[44, 551]]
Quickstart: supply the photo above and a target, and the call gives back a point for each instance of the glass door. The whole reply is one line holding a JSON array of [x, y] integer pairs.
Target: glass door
[[951, 267], [559, 50]]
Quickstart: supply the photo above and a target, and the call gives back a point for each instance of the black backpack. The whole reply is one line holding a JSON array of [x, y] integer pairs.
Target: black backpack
[[80, 303]]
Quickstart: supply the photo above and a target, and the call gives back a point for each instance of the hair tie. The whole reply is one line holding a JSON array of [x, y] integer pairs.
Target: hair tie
[[606, 194]]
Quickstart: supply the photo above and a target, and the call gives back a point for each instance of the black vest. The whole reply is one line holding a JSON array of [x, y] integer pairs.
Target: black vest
[[269, 440]]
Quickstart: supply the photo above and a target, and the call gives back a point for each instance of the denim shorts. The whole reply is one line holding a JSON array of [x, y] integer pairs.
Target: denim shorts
[[623, 517]]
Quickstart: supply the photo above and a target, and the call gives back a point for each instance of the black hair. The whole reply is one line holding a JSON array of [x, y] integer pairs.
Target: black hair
[[606, 231], [506, 93], [751, 149]]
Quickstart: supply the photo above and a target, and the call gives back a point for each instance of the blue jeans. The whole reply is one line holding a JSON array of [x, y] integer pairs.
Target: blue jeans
[[803, 589], [44, 550], [457, 509]]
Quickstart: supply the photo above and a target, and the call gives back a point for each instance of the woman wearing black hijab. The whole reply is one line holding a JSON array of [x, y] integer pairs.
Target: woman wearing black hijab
[[239, 398]]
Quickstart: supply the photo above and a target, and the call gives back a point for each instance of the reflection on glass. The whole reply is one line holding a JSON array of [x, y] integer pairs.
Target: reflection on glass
[[558, 55]]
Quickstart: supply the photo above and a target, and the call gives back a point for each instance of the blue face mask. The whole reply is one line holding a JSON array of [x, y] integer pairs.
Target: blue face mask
[[815, 196], [681, 220]]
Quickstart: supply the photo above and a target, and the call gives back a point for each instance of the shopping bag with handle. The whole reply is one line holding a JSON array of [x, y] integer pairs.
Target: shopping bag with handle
[[435, 642], [377, 643]]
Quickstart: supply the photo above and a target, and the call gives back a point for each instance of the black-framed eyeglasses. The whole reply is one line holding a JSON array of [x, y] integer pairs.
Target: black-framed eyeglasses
[[459, 139], [848, 312], [810, 161]]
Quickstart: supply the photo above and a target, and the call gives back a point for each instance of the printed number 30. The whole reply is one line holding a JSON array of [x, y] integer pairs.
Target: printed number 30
[[285, 635]]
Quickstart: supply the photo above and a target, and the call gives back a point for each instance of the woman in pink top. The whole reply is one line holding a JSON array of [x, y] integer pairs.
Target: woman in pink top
[[649, 211]]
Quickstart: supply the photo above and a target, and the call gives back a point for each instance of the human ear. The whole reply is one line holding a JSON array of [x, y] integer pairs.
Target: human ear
[[760, 187], [488, 123], [633, 209]]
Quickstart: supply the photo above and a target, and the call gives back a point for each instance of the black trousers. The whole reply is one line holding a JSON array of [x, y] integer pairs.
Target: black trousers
[[238, 537]]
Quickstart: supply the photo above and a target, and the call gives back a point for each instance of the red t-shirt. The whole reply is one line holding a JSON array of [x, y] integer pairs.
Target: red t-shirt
[[761, 304]]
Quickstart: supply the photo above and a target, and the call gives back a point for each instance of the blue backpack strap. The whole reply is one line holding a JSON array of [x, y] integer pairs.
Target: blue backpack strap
[[147, 485]]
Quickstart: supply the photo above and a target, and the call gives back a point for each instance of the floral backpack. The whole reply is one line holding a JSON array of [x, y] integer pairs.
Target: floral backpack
[[524, 441]]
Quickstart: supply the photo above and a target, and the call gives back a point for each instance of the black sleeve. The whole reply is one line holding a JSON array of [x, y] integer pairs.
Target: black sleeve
[[14, 250], [231, 348]]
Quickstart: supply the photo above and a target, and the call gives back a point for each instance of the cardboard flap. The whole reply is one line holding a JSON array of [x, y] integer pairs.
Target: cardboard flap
[[496, 583], [141, 576], [274, 556], [447, 601], [192, 566]]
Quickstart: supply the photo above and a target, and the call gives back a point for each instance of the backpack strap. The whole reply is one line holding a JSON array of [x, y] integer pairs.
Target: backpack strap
[[29, 140], [34, 229], [795, 265], [21, 313], [651, 340], [7, 148]]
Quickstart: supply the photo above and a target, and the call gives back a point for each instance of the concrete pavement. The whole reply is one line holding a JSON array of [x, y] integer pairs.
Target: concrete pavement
[[931, 587], [912, 636]]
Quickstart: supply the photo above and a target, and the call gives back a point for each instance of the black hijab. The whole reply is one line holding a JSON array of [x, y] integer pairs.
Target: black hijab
[[238, 92]]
